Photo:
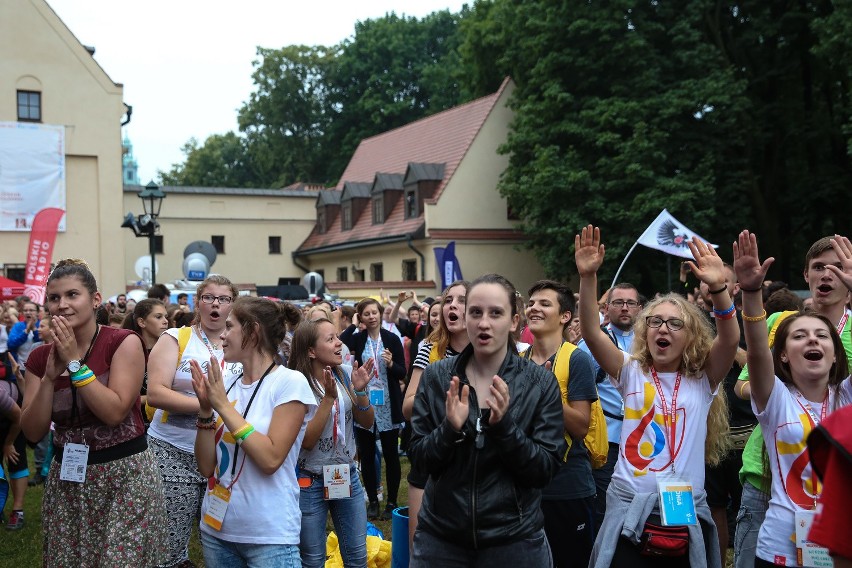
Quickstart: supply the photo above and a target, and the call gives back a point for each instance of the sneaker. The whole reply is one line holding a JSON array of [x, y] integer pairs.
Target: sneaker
[[373, 511], [16, 521], [387, 514]]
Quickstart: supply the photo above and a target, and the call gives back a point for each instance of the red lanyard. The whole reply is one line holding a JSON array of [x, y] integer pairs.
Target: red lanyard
[[203, 337], [669, 417], [823, 412], [374, 346], [842, 323]]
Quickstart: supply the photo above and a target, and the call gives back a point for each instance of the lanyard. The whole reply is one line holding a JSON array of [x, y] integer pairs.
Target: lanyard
[[843, 320], [806, 406], [207, 343], [74, 412], [245, 414], [669, 418], [374, 347]]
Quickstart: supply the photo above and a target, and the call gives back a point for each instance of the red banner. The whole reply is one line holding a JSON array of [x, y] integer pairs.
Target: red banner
[[40, 252]]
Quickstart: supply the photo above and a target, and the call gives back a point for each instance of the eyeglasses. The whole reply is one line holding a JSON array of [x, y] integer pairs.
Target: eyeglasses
[[210, 298], [673, 324], [622, 303]]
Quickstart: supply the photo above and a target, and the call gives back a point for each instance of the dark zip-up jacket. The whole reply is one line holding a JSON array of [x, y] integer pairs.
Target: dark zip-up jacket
[[395, 371], [478, 498]]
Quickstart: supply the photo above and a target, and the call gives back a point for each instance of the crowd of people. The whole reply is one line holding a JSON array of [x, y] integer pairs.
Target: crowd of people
[[542, 429]]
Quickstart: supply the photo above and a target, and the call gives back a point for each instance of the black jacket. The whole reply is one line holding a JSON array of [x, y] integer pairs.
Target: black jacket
[[396, 371], [478, 498]]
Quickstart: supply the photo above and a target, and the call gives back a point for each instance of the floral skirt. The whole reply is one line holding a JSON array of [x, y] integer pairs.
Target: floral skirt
[[116, 518]]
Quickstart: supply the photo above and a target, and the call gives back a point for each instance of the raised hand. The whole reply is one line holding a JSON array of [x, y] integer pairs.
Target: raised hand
[[361, 375], [329, 385], [457, 408], [707, 267], [588, 251], [843, 247], [749, 270], [199, 385], [499, 401], [64, 341]]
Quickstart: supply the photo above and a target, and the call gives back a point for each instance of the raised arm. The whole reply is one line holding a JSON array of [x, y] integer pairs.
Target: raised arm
[[751, 273], [710, 269], [589, 255]]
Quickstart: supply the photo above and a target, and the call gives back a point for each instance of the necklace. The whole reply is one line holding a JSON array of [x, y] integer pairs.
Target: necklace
[[203, 336]]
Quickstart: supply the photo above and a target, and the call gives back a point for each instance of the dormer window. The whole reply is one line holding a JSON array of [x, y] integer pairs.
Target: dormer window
[[347, 216], [411, 209], [378, 209], [322, 225]]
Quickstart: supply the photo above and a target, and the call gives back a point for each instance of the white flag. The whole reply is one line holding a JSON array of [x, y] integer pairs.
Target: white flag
[[669, 235]]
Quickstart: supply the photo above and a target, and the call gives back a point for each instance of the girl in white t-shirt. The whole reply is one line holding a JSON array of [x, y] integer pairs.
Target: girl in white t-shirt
[[249, 447], [674, 420], [793, 388]]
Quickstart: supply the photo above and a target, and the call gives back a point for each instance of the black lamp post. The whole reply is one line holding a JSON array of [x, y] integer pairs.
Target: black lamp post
[[146, 225]]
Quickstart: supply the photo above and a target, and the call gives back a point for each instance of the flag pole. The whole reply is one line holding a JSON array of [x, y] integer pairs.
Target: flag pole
[[618, 272]]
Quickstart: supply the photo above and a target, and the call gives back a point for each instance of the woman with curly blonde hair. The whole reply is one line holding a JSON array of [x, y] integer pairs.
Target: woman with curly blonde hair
[[672, 409]]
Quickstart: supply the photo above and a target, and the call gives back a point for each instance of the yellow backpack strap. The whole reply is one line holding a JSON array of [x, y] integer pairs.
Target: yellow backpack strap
[[184, 335], [561, 370], [434, 355]]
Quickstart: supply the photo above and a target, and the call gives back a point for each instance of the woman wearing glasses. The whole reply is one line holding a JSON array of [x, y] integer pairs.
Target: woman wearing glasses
[[172, 429], [675, 416]]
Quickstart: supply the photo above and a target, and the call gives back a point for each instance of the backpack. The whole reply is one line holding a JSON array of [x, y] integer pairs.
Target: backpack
[[597, 440], [184, 335]]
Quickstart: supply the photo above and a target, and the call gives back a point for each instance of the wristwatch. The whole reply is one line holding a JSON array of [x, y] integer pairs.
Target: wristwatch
[[74, 365]]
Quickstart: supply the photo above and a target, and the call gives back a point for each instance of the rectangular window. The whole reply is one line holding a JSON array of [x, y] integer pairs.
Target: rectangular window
[[342, 274], [274, 245], [218, 243], [158, 244], [321, 224], [409, 270], [29, 106], [378, 210], [377, 272], [411, 204], [347, 216]]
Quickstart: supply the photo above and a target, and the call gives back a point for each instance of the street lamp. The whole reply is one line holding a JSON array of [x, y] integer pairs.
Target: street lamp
[[146, 225]]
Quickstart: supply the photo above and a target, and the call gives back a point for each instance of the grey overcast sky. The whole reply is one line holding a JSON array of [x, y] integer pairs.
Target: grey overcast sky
[[186, 65]]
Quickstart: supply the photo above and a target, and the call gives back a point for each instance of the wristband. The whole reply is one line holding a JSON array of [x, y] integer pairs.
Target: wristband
[[205, 425], [242, 438], [743, 385], [83, 382], [361, 393], [756, 318], [720, 290], [725, 314], [82, 374], [364, 408], [751, 289], [206, 420], [243, 432]]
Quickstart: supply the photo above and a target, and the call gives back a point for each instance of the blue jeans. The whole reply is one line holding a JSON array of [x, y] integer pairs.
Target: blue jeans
[[350, 523], [220, 553], [430, 551], [749, 518]]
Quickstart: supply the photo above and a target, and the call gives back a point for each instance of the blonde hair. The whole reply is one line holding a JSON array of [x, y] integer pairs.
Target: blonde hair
[[693, 360]]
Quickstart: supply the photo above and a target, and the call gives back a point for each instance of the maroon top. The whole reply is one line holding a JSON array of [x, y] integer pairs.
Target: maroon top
[[95, 433]]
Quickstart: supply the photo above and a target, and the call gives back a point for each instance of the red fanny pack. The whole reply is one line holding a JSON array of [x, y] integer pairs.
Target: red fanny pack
[[658, 540]]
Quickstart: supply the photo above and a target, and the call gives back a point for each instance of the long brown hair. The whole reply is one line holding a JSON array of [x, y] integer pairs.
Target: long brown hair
[[304, 339], [440, 336]]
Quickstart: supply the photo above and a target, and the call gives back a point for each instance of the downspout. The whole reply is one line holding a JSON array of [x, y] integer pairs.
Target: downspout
[[293, 258], [422, 258], [129, 113]]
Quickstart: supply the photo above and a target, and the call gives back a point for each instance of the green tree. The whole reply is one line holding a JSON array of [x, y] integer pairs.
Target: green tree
[[219, 162]]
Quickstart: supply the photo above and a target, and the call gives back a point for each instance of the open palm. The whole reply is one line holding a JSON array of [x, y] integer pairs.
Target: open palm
[[588, 251], [749, 270]]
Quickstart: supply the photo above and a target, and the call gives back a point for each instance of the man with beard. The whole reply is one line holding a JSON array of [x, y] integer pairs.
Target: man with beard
[[622, 305], [121, 304]]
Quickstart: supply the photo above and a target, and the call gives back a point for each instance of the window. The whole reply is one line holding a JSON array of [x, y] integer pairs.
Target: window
[[218, 243], [378, 210], [321, 221], [274, 245], [358, 274], [377, 272], [342, 274], [158, 244], [16, 272], [29, 106], [410, 204], [409, 269], [347, 216]]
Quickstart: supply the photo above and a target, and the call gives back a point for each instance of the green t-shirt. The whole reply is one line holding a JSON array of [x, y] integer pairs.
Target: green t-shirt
[[752, 470]]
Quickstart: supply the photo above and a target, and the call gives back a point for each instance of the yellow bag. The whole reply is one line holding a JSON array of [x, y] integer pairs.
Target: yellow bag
[[184, 334], [378, 552]]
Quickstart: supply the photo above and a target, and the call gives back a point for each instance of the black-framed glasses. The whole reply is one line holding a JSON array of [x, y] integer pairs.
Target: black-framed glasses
[[622, 303], [210, 298], [673, 324]]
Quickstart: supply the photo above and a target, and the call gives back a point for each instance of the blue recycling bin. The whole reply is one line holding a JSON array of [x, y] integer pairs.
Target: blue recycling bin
[[399, 538]]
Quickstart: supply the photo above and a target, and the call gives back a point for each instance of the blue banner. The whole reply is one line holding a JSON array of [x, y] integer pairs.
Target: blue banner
[[449, 269]]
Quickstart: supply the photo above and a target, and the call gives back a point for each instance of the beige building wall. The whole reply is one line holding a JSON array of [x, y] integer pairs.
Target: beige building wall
[[246, 222], [38, 53]]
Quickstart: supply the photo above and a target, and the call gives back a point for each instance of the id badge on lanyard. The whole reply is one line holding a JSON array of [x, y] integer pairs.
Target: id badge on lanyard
[[336, 482], [217, 506], [808, 553], [377, 392], [75, 458]]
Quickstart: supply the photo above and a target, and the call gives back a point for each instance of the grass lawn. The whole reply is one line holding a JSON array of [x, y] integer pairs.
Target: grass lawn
[[22, 548]]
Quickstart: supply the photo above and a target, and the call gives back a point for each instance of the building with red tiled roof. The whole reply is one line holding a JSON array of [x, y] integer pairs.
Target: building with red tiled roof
[[414, 188]]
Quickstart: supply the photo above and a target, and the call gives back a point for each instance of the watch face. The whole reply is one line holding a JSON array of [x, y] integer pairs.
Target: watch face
[[74, 366]]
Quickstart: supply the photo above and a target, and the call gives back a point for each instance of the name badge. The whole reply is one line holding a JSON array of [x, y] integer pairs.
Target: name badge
[[336, 484], [677, 504], [377, 397], [808, 553], [75, 457], [217, 506]]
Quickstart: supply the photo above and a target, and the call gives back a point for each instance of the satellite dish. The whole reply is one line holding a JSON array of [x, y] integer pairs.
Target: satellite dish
[[312, 281], [137, 295], [143, 267], [203, 247], [196, 266]]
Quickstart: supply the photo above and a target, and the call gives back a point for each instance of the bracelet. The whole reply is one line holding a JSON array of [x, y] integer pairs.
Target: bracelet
[[720, 290], [206, 420], [83, 382], [205, 425], [82, 373], [751, 289], [243, 437], [760, 317], [360, 393], [364, 408], [722, 313], [742, 385], [243, 432]]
